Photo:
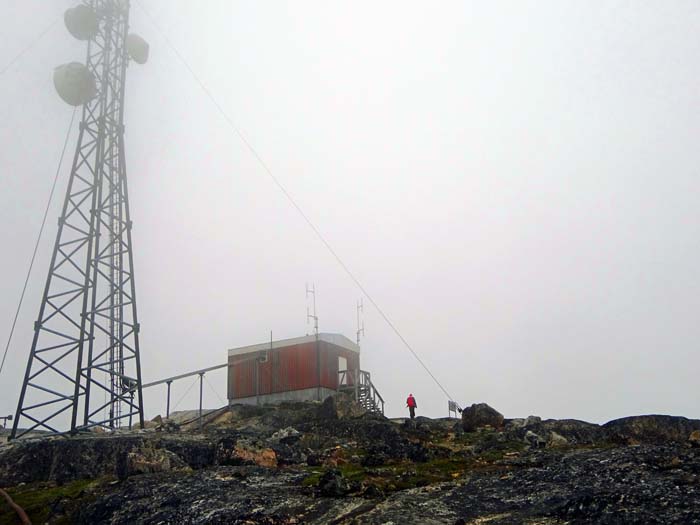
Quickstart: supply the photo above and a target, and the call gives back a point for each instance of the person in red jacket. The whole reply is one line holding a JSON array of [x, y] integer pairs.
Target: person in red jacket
[[412, 405]]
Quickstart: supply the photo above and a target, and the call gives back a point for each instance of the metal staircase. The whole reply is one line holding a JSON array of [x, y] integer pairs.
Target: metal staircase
[[358, 383]]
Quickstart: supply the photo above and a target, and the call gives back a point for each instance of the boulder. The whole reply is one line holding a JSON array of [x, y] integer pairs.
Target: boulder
[[575, 431], [313, 460], [340, 406], [154, 423], [694, 438], [149, 461], [524, 423], [287, 436], [289, 454], [249, 453], [374, 458], [223, 419], [534, 440], [332, 484], [651, 429], [168, 425], [481, 415], [556, 440], [532, 420]]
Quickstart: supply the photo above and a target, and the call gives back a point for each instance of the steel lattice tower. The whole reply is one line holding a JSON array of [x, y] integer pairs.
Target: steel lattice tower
[[84, 366]]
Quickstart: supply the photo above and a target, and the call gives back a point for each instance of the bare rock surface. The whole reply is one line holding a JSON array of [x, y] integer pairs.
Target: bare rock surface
[[330, 464], [626, 485]]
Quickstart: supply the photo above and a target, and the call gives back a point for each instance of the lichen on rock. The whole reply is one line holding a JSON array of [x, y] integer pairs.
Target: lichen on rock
[[318, 463]]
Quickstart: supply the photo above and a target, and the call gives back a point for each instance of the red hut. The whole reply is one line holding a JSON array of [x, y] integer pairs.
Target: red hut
[[300, 369]]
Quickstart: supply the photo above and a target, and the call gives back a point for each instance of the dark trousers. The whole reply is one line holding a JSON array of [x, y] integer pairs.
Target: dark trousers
[[412, 410]]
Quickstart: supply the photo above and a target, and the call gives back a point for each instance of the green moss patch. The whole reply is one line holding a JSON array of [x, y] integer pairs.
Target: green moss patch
[[314, 476], [447, 464], [397, 476], [42, 500], [350, 471]]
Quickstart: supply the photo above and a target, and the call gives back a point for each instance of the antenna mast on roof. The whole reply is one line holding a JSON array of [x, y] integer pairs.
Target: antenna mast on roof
[[360, 321], [311, 291]]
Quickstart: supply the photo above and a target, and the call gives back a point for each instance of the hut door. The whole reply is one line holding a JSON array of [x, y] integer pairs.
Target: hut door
[[342, 366]]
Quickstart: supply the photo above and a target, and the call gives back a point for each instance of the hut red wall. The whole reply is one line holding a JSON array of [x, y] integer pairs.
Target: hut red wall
[[329, 363], [288, 368]]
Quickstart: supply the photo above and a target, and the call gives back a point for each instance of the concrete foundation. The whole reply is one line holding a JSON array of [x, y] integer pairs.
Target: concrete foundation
[[307, 394]]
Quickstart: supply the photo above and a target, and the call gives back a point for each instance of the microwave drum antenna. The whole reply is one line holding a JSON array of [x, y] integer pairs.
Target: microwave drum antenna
[[74, 83], [81, 22]]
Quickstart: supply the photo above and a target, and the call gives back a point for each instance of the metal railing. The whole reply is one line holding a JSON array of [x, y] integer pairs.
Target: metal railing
[[359, 383]]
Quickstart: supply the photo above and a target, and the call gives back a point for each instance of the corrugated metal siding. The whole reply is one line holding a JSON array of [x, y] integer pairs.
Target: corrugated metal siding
[[288, 368], [265, 371], [241, 378], [297, 367], [329, 365]]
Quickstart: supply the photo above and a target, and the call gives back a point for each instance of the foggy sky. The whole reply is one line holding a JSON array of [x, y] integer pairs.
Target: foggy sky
[[515, 183]]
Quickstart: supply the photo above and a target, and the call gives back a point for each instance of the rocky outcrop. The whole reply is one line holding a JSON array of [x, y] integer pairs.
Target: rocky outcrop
[[554, 433], [62, 460], [575, 431], [534, 440], [647, 484], [147, 460], [265, 457], [656, 429], [120, 455], [332, 484], [518, 423], [694, 438], [287, 436], [315, 463], [340, 406], [481, 415], [556, 440]]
